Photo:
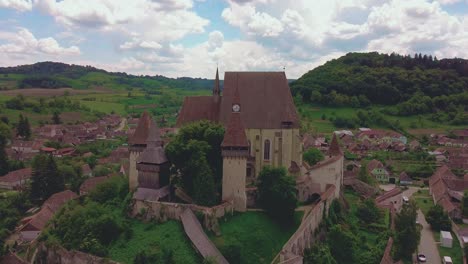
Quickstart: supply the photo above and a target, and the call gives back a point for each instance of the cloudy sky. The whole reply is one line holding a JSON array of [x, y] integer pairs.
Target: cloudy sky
[[189, 37]]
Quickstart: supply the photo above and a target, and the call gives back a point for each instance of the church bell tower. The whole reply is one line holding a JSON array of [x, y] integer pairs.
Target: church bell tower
[[235, 150]]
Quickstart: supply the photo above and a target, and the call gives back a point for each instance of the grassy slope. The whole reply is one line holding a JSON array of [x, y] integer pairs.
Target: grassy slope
[[259, 237], [153, 238]]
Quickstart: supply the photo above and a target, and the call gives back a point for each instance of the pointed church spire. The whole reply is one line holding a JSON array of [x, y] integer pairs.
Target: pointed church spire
[[216, 90], [235, 131], [154, 135], [334, 149], [141, 132]]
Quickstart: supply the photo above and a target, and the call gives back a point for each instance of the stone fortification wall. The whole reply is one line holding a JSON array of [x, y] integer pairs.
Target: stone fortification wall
[[59, 255], [304, 235], [163, 211]]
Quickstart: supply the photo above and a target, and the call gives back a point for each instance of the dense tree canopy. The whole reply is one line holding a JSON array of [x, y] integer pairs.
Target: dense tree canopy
[[438, 219], [277, 193], [312, 156], [407, 232], [46, 179], [415, 85], [196, 154], [319, 253]]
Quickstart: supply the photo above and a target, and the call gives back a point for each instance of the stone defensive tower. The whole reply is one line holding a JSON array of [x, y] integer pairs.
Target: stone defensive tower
[[137, 144], [152, 164]]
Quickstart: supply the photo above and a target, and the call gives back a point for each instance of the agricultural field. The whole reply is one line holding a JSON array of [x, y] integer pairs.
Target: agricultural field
[[258, 237], [154, 238]]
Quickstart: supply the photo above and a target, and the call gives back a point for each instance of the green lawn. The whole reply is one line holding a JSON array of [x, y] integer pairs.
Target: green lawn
[[423, 200], [455, 252], [153, 238], [259, 237]]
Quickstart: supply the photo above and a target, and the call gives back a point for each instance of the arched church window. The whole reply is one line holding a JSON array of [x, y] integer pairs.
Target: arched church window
[[266, 150]]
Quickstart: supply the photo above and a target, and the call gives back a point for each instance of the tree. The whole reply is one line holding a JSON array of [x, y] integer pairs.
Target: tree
[[438, 219], [200, 139], [313, 156], [364, 176], [23, 128], [46, 179], [56, 118], [4, 136], [407, 233], [342, 244], [203, 183], [465, 205], [319, 253], [368, 212], [277, 193]]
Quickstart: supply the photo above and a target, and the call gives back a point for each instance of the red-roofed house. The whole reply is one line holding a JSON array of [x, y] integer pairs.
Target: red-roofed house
[[377, 169], [15, 179], [447, 190], [91, 183], [33, 226]]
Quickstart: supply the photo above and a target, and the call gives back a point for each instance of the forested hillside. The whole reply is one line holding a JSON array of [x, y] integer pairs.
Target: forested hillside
[[58, 75], [411, 85]]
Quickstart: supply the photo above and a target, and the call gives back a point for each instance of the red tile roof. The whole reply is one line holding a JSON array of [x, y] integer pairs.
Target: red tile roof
[[389, 194], [334, 149], [141, 132], [235, 131], [374, 164], [17, 175], [48, 209], [196, 108], [270, 88], [265, 98], [91, 183]]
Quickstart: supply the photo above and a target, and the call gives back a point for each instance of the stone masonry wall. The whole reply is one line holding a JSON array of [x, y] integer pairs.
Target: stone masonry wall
[[163, 211]]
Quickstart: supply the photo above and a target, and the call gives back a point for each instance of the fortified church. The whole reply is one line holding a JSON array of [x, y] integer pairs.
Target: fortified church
[[261, 128]]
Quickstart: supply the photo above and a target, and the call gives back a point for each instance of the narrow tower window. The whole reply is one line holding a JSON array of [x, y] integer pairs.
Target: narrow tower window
[[266, 150], [250, 148]]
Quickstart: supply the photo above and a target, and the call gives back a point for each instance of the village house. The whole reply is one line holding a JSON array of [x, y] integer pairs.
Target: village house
[[405, 179], [309, 141], [377, 169], [32, 226], [89, 184], [15, 179], [392, 198], [377, 135], [447, 190]]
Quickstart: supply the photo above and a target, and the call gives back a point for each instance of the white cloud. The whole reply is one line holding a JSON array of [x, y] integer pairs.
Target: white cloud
[[20, 5], [24, 43]]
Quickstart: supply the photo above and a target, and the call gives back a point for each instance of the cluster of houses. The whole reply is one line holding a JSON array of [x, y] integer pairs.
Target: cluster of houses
[[71, 135]]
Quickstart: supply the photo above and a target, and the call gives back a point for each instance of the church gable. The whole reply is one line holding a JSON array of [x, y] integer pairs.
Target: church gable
[[265, 98], [196, 108]]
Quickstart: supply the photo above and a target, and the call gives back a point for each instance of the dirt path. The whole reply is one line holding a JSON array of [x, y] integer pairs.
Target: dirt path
[[121, 125]]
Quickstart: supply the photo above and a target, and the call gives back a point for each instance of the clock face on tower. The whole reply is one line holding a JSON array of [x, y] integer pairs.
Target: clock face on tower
[[235, 108]]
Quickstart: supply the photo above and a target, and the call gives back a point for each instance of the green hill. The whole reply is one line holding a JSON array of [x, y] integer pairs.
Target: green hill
[[58, 75], [399, 85]]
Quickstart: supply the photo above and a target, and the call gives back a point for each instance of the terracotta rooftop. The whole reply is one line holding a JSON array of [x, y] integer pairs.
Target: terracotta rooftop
[[196, 108], [389, 194], [91, 183], [235, 131], [141, 132], [48, 209], [404, 177], [17, 175], [374, 164], [270, 88], [334, 149]]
